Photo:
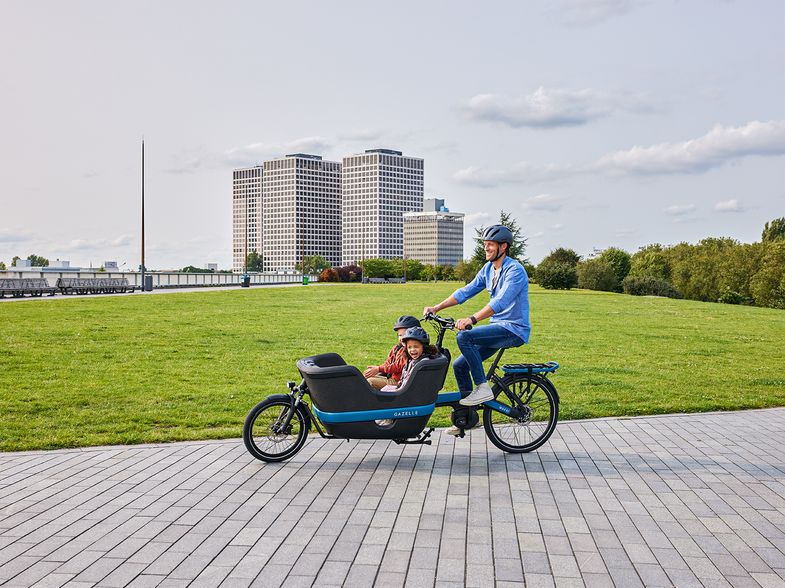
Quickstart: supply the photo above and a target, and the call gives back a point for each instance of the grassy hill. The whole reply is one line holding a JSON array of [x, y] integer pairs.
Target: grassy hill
[[148, 368]]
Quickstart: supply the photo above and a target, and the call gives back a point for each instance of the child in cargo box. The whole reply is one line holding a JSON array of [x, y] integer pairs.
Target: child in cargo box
[[389, 373], [417, 344]]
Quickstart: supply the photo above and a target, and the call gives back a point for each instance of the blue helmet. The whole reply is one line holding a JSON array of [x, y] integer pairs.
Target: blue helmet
[[406, 321], [498, 233], [418, 334]]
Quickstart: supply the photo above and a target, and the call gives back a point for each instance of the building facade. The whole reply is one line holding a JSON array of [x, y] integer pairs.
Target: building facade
[[433, 237], [378, 187], [246, 214], [301, 210]]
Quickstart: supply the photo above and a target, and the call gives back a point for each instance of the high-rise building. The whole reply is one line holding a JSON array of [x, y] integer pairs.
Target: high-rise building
[[433, 236], [379, 186], [301, 197], [246, 214]]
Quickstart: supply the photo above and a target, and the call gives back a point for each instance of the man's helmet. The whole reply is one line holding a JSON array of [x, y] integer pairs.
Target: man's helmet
[[498, 233], [418, 334], [406, 321]]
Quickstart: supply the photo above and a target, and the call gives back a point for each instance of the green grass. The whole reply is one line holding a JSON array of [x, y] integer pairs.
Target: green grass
[[135, 369]]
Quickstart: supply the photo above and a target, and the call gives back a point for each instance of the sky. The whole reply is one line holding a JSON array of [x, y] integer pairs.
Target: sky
[[595, 123]]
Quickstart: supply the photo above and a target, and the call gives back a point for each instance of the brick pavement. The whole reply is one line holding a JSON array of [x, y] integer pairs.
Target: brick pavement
[[683, 500]]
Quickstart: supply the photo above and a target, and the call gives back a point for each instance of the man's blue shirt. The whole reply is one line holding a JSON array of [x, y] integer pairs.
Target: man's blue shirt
[[510, 298]]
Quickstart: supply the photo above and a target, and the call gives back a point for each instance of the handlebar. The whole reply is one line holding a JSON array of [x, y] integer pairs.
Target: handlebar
[[445, 322]]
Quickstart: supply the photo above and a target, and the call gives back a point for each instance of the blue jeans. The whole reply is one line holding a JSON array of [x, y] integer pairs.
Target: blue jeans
[[477, 345]]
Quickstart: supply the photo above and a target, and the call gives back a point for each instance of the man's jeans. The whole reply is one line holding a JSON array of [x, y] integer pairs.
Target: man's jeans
[[477, 345]]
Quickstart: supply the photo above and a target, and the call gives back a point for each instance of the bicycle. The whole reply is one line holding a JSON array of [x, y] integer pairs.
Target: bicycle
[[521, 417]]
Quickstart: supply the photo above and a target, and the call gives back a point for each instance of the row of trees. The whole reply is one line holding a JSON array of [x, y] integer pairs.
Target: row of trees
[[35, 261], [712, 270]]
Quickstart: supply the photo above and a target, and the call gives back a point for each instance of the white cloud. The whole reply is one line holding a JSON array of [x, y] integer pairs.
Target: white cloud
[[15, 236], [547, 202], [719, 146], [557, 227], [252, 154], [590, 12], [99, 245], [363, 135], [520, 173], [679, 209], [475, 219], [729, 206], [548, 108]]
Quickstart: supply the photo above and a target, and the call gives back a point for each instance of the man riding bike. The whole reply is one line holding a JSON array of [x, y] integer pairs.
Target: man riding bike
[[508, 310]]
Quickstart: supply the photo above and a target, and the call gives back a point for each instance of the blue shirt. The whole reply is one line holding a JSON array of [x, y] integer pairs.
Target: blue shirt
[[509, 299]]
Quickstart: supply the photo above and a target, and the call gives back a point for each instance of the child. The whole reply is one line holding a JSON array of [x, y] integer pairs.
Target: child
[[389, 373], [418, 347]]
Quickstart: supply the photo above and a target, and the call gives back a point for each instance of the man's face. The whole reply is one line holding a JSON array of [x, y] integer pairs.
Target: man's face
[[491, 249], [414, 348], [401, 333]]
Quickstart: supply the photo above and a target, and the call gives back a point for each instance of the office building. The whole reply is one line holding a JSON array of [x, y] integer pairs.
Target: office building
[[378, 186], [246, 214], [301, 211], [433, 236]]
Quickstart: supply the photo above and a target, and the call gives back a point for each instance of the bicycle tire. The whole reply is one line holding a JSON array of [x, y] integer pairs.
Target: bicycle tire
[[265, 444], [509, 434]]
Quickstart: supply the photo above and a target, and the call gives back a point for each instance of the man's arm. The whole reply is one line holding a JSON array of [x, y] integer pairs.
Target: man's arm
[[482, 314], [446, 303]]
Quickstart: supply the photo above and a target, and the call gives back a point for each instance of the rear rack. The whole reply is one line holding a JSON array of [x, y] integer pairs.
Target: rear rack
[[531, 368]]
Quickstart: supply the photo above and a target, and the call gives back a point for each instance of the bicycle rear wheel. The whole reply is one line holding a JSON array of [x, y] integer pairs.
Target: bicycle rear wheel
[[538, 411]]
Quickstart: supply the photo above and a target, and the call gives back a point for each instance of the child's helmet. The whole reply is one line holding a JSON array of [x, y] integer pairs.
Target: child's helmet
[[406, 321], [418, 334]]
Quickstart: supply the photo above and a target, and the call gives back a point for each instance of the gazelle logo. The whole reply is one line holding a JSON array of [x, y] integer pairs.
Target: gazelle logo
[[406, 413]]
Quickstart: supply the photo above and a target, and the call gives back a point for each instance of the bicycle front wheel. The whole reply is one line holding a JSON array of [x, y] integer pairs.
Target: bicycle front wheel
[[265, 435], [538, 411]]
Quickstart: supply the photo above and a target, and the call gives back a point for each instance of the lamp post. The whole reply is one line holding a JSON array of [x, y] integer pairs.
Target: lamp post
[[143, 288], [245, 259]]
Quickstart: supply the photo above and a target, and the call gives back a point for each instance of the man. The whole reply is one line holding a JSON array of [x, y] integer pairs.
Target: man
[[508, 310]]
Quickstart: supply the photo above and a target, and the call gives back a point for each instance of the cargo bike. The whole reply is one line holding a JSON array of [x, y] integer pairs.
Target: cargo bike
[[343, 405]]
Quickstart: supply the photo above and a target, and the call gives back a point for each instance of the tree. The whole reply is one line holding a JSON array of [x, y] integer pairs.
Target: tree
[[517, 249], [2, 266], [466, 270], [38, 261], [768, 285], [379, 268], [312, 264], [556, 275], [14, 259], [596, 274], [191, 269], [619, 261], [650, 261], [563, 255], [773, 231], [254, 262]]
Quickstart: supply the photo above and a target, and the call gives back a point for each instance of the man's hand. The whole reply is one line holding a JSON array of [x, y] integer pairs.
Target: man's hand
[[429, 310], [371, 371], [461, 324]]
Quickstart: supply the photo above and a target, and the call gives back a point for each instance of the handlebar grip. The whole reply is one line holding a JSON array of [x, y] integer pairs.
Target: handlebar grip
[[468, 328]]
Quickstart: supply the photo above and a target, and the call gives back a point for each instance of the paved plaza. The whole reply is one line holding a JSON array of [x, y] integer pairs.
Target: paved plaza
[[682, 500]]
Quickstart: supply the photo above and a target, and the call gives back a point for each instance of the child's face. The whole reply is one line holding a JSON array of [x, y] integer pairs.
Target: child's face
[[414, 348], [401, 333]]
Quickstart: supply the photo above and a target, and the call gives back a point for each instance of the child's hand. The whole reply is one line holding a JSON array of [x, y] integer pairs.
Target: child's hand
[[371, 371]]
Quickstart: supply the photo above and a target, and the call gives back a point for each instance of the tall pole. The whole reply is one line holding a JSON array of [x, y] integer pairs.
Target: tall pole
[[245, 263], [143, 214]]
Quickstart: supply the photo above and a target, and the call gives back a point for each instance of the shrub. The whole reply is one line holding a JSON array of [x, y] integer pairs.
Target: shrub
[[731, 297], [648, 286], [530, 271], [349, 273], [595, 274], [328, 275], [556, 275]]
